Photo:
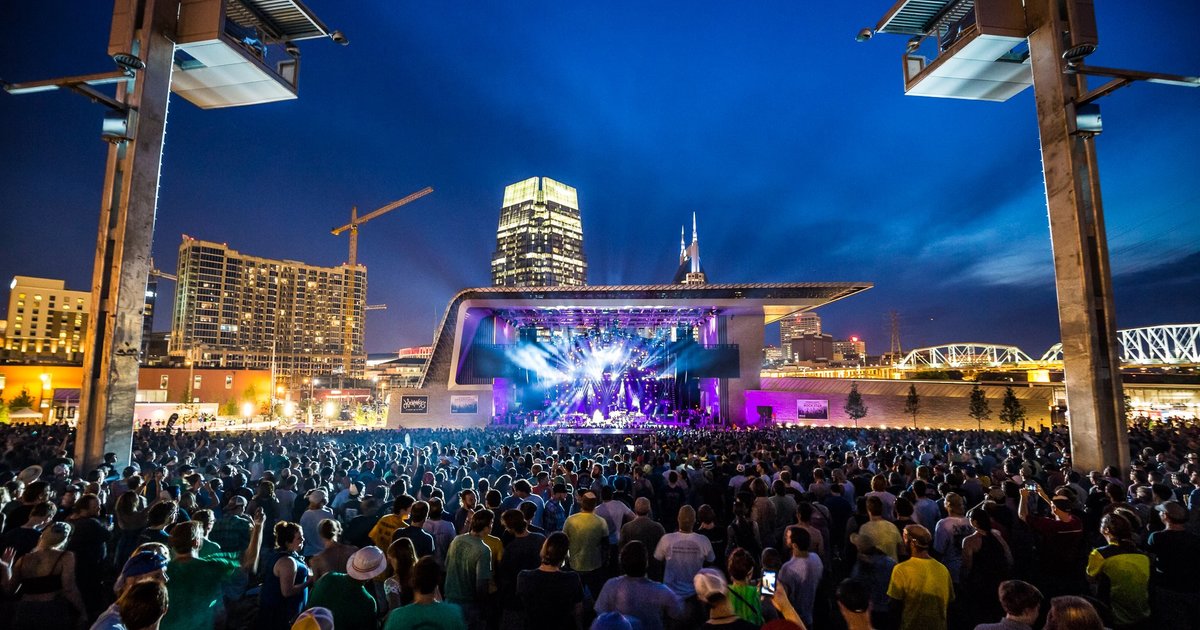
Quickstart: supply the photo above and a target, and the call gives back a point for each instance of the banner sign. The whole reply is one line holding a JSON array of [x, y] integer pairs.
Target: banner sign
[[464, 404], [812, 409], [414, 404]]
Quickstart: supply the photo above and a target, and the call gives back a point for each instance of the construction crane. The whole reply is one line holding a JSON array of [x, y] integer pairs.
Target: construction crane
[[352, 227], [158, 273], [375, 307]]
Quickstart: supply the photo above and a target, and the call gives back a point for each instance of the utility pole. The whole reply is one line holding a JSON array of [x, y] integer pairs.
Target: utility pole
[[143, 41], [985, 39]]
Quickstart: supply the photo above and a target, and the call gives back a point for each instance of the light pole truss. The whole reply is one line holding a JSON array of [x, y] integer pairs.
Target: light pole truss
[[964, 355]]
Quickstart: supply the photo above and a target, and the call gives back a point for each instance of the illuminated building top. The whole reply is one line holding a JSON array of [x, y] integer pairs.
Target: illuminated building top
[[539, 241]]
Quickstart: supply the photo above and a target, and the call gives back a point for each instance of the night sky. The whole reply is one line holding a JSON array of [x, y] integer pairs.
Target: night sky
[[793, 143]]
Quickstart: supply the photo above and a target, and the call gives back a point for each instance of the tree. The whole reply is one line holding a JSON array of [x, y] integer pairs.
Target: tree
[[912, 404], [22, 401], [1012, 412], [979, 409], [855, 408]]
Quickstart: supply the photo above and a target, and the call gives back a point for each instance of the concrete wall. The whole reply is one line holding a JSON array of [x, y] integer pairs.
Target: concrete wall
[[438, 412], [943, 404]]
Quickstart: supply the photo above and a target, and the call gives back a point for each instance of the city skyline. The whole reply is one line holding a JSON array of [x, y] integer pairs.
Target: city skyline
[[801, 153]]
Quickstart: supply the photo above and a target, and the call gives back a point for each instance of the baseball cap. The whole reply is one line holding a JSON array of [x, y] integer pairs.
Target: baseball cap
[[709, 583], [864, 542], [142, 563], [1175, 512], [316, 618]]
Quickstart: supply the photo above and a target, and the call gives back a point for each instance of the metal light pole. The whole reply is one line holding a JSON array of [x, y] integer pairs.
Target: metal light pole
[[983, 38], [253, 59]]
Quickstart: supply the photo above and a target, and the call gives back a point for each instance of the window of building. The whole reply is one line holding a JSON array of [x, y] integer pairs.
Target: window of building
[[196, 382], [228, 381], [163, 381]]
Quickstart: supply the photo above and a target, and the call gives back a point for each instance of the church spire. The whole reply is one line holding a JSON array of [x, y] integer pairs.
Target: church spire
[[682, 246]]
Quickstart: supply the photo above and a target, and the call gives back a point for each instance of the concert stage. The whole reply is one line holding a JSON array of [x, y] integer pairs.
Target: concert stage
[[687, 353]]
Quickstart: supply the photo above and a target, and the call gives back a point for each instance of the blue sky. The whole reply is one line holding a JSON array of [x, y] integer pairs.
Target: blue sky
[[793, 143]]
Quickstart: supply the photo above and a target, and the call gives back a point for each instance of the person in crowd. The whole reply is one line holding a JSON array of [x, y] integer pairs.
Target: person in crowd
[[801, 574], [194, 584], [588, 536], [743, 592], [346, 593], [233, 529], [552, 597], [949, 534], [1069, 612], [45, 580], [522, 552], [381, 534], [1061, 541], [144, 566], [635, 595], [854, 600], [920, 588], [986, 563], [142, 606], [414, 530], [426, 611], [873, 570], [885, 534], [89, 542], [879, 490], [310, 522], [398, 587], [1122, 573], [712, 592], [335, 554], [684, 552], [287, 578], [1022, 604], [441, 529], [1174, 580], [644, 529], [469, 570], [24, 539]]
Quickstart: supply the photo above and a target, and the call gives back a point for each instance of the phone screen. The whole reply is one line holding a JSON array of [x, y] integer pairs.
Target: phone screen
[[768, 583]]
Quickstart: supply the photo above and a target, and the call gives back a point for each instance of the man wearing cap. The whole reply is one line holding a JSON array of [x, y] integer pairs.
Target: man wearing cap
[[144, 566], [1062, 554], [873, 568], [346, 595], [1174, 581], [310, 522], [232, 530], [920, 586]]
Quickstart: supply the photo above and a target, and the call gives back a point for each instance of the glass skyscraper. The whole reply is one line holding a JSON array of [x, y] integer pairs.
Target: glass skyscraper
[[539, 241]]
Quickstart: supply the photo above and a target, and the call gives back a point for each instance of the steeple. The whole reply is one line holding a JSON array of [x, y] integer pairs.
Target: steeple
[[682, 246], [695, 249]]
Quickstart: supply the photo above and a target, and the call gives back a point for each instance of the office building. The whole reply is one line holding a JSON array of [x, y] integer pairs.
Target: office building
[[796, 326], [539, 241], [690, 270], [811, 348], [238, 311], [46, 321], [852, 349]]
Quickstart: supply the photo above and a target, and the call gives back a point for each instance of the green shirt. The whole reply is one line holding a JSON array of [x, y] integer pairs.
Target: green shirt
[[468, 563], [209, 548], [923, 584], [435, 616], [587, 533], [1124, 575], [746, 601], [194, 590], [352, 606]]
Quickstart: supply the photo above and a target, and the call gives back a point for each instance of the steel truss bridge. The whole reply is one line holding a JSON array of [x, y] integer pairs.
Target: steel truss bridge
[[964, 355], [1171, 344]]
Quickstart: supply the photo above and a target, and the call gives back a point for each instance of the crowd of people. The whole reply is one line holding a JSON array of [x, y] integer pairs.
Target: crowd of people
[[493, 530]]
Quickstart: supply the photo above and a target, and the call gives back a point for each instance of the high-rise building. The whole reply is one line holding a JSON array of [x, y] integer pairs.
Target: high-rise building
[[539, 241], [852, 349], [238, 311], [690, 271], [46, 321], [796, 326], [811, 347]]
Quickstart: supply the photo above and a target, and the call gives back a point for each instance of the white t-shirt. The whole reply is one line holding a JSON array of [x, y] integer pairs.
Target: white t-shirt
[[684, 555]]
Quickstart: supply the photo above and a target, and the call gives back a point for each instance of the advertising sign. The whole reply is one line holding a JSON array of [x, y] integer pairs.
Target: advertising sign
[[464, 404], [414, 404], [812, 409]]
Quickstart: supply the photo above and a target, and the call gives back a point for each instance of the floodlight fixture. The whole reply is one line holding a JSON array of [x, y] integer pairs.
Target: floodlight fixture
[[129, 63], [339, 38], [864, 35]]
